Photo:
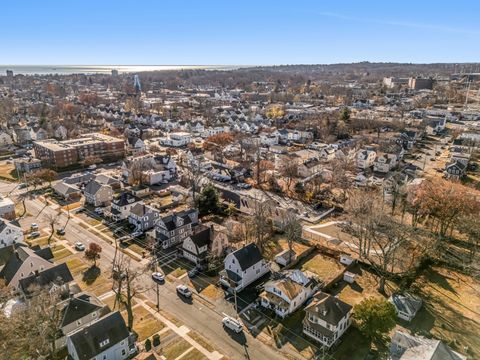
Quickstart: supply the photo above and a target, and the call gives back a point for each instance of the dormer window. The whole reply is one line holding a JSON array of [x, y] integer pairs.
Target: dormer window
[[104, 342]]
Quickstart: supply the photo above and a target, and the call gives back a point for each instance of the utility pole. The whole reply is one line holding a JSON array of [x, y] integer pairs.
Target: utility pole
[[156, 282]]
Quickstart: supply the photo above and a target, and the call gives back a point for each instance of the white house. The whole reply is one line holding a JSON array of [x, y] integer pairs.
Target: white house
[[383, 163], [176, 139], [365, 158], [7, 208], [243, 267], [406, 305], [105, 339], [326, 319], [209, 239], [121, 205], [286, 295], [9, 233]]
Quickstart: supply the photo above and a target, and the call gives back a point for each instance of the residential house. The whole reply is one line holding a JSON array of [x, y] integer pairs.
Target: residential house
[[66, 191], [10, 233], [176, 139], [54, 279], [384, 163], [23, 262], [105, 179], [326, 319], [286, 295], [243, 267], [366, 158], [77, 312], [122, 204], [207, 239], [456, 170], [410, 347], [144, 217], [135, 145], [172, 229], [97, 194], [26, 165], [406, 305], [5, 139], [105, 339], [285, 257], [7, 208]]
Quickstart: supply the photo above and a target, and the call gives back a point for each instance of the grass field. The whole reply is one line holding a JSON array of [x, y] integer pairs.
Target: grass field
[[175, 349], [451, 310], [323, 266], [60, 252], [144, 323]]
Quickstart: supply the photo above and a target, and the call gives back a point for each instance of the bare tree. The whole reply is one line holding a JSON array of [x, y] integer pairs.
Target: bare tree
[[293, 232], [193, 177], [52, 221], [260, 223], [127, 285]]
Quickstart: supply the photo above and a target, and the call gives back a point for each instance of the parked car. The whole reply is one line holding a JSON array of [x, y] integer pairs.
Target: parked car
[[159, 277], [137, 233], [79, 246], [98, 210], [184, 291], [34, 234], [60, 231], [34, 226], [193, 273], [232, 324], [22, 186]]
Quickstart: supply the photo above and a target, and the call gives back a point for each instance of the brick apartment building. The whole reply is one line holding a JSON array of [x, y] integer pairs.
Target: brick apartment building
[[59, 154]]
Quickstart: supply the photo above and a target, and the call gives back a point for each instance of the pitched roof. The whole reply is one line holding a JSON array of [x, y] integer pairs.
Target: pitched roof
[[110, 329], [77, 308], [201, 238], [125, 198], [93, 187], [328, 308], [248, 256], [59, 275]]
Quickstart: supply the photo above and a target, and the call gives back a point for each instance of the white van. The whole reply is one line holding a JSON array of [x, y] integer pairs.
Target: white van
[[232, 324]]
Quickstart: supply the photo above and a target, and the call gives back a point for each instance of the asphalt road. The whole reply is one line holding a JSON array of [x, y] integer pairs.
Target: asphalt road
[[194, 314]]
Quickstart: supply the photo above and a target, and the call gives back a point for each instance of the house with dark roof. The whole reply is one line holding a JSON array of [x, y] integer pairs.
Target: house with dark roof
[[456, 170], [135, 145], [410, 347], [243, 267], [172, 229], [143, 216], [77, 312], [122, 204], [207, 239], [97, 193], [326, 319], [24, 262], [55, 279], [107, 338]]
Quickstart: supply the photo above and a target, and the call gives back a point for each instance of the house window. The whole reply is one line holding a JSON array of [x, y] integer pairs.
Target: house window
[[104, 357], [104, 342], [124, 352]]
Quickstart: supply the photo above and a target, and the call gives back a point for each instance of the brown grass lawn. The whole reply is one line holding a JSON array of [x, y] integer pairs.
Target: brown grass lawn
[[212, 292], [365, 286], [323, 266], [60, 252], [175, 349], [194, 355], [201, 340], [451, 310], [76, 266], [7, 171], [144, 323]]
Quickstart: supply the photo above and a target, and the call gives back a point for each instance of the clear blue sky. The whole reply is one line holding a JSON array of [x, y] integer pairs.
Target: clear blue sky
[[240, 32]]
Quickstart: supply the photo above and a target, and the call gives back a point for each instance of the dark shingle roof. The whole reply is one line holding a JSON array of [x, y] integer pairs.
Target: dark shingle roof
[[328, 308], [76, 309], [59, 275], [201, 238], [248, 256], [87, 341]]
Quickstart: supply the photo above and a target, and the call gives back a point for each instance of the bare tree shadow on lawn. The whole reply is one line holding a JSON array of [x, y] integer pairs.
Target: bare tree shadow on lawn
[[91, 274]]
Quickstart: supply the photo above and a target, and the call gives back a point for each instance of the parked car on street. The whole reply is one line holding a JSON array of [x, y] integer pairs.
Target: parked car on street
[[159, 277], [79, 246], [184, 291], [232, 324]]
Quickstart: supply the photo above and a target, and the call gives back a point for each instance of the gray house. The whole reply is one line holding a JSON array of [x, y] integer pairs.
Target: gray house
[[97, 193], [144, 217], [172, 229], [106, 339], [76, 313]]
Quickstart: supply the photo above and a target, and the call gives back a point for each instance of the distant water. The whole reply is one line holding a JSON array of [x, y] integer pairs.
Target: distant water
[[102, 69]]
